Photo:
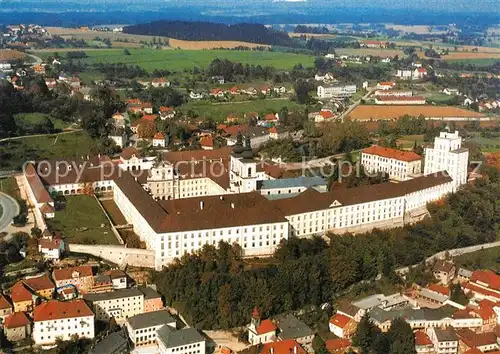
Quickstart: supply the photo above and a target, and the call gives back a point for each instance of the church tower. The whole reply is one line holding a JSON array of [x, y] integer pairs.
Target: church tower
[[243, 167]]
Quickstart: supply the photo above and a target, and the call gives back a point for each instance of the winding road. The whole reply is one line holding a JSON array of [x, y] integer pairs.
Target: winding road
[[10, 208]]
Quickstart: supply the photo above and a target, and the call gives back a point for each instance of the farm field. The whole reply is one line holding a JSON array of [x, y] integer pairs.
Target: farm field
[[484, 259], [454, 56], [407, 141], [490, 144], [478, 62], [9, 54], [375, 112], [133, 40], [219, 112], [377, 52], [48, 146], [80, 222], [176, 60]]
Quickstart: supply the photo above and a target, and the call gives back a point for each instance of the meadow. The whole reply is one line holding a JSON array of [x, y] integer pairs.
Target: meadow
[[31, 119], [178, 59], [49, 146]]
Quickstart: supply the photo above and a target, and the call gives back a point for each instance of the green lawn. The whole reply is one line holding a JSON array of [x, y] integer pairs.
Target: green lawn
[[80, 222], [38, 118], [487, 144], [176, 60], [9, 186], [407, 141], [484, 259], [220, 111], [478, 62], [16, 152], [440, 98]]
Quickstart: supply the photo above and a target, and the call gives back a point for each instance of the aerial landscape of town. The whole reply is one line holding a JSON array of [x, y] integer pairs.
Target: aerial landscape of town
[[258, 177]]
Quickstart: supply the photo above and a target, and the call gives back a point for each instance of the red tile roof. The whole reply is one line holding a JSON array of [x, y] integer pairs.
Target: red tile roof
[[134, 101], [270, 116], [422, 70], [159, 79], [282, 347], [159, 136], [266, 326], [20, 293], [235, 129], [273, 130], [400, 98], [487, 277], [326, 114], [49, 244], [474, 351], [73, 272], [340, 320], [165, 109], [392, 153], [35, 183], [55, 310], [439, 289], [128, 152], [473, 339], [207, 141], [480, 290], [15, 320], [39, 283], [485, 312], [387, 83], [421, 338], [47, 209], [338, 344], [4, 303]]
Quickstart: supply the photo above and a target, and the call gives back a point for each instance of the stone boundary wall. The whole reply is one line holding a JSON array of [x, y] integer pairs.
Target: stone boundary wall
[[118, 254]]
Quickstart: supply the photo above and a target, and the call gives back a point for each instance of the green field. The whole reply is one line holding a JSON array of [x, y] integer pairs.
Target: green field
[[407, 141], [440, 98], [16, 152], [484, 259], [83, 211], [9, 186], [219, 112], [38, 118], [487, 144], [478, 62], [176, 60]]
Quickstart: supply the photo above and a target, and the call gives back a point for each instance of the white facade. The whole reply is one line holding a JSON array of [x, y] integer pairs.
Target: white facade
[[399, 170], [145, 335], [46, 332], [120, 140], [121, 307], [405, 74], [243, 175], [191, 348], [336, 91], [442, 346], [448, 155]]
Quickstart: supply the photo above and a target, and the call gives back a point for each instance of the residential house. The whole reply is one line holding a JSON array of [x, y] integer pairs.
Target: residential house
[[81, 277], [167, 112], [419, 73], [51, 83], [160, 82], [48, 211], [373, 44], [51, 248], [265, 89], [216, 92], [484, 342], [250, 91], [119, 137], [451, 91], [463, 275], [102, 284], [234, 90], [17, 326], [159, 140], [152, 299], [218, 80], [272, 118], [278, 133], [120, 304], [336, 91], [445, 340], [435, 294], [386, 85], [142, 328], [486, 310], [134, 126], [323, 115], [287, 346], [180, 341], [232, 118], [279, 89], [404, 74], [342, 326], [196, 95], [400, 100], [260, 332], [290, 327], [392, 93], [23, 299], [150, 117], [5, 307], [62, 320], [207, 142], [118, 120], [41, 285], [444, 271], [338, 346], [324, 77], [118, 278], [423, 344]]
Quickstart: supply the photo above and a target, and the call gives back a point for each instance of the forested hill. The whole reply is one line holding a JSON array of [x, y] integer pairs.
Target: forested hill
[[209, 31]]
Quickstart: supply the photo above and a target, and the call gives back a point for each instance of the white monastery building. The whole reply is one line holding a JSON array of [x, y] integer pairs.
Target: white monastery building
[[399, 165]]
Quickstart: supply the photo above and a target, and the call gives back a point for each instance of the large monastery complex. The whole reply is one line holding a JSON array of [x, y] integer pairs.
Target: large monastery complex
[[184, 200]]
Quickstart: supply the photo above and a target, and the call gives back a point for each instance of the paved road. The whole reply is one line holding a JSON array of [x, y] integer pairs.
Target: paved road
[[38, 135], [10, 210]]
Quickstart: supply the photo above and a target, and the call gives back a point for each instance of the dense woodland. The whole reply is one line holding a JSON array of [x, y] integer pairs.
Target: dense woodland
[[209, 31], [216, 288]]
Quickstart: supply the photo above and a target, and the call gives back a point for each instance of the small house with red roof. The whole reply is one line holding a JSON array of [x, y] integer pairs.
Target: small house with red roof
[[41, 285], [338, 346], [5, 307], [419, 73], [118, 120], [342, 326], [423, 344], [444, 271], [271, 118], [166, 112], [160, 82], [232, 118], [386, 85], [216, 92], [51, 248], [399, 165], [22, 297], [159, 140], [55, 319], [323, 115], [287, 346], [17, 326], [261, 332], [234, 90], [81, 277], [207, 142]]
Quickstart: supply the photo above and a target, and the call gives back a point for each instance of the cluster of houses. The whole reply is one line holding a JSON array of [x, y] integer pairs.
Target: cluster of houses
[[218, 92], [440, 325], [416, 73]]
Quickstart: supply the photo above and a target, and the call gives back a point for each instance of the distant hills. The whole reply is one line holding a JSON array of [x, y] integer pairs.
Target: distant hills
[[210, 31]]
